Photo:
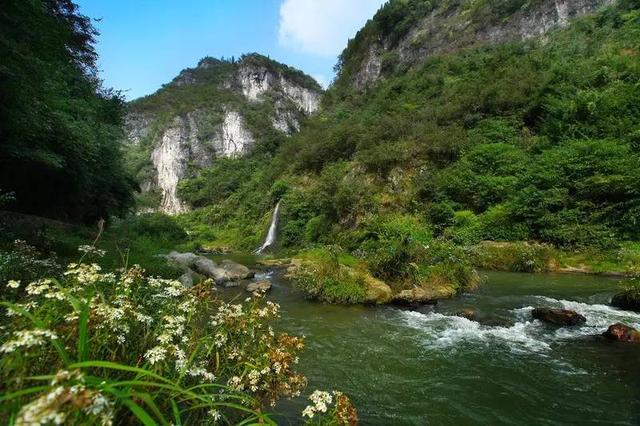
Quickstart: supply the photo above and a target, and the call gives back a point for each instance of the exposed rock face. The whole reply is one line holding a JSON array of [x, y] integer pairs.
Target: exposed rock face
[[622, 333], [193, 139], [255, 81], [136, 127], [234, 139], [444, 30], [558, 316], [181, 146]]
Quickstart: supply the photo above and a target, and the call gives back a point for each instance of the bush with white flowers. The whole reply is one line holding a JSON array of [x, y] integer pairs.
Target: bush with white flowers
[[99, 347]]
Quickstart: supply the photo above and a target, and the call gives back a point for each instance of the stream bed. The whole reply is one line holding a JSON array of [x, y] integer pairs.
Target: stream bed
[[404, 367]]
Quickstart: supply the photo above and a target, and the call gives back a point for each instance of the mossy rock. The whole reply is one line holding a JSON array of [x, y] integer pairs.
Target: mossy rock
[[377, 291]]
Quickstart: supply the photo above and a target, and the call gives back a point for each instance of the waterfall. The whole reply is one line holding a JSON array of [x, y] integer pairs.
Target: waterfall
[[271, 235]]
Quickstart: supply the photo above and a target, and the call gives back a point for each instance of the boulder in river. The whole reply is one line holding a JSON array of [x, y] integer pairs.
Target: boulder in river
[[558, 316], [227, 271], [261, 286], [622, 333], [468, 313], [628, 300]]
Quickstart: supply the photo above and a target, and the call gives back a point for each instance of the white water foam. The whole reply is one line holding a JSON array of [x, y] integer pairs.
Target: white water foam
[[446, 331], [599, 317], [262, 276], [526, 335]]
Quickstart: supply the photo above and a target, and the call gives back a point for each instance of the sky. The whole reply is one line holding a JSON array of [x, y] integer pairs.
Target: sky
[[146, 43]]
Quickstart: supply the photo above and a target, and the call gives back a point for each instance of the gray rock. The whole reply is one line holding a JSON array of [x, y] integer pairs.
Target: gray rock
[[262, 286], [227, 271], [187, 279], [628, 300]]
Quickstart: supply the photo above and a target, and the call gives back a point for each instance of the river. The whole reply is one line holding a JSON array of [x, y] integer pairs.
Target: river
[[414, 368]]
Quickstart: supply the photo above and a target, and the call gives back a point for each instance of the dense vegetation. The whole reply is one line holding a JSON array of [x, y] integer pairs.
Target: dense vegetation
[[60, 130], [525, 141]]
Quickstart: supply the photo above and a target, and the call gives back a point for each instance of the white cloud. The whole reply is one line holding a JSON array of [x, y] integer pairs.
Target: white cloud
[[323, 27]]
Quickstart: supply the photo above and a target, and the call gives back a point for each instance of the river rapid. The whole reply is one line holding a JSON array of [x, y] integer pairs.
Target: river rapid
[[433, 367]]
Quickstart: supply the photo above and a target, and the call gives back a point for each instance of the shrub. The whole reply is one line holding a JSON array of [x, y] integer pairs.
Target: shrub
[[498, 224], [121, 347], [443, 264], [466, 228], [514, 257], [391, 243], [323, 276]]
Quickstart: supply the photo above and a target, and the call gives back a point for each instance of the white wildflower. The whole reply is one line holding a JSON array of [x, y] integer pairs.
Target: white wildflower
[[156, 354], [308, 412], [215, 414], [13, 284], [87, 249], [27, 339]]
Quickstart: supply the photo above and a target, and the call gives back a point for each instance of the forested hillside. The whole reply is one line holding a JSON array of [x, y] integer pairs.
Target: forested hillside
[[531, 140], [60, 152]]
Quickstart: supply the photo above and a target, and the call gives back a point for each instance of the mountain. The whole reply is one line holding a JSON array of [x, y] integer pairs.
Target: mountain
[[219, 109], [404, 32], [523, 138]]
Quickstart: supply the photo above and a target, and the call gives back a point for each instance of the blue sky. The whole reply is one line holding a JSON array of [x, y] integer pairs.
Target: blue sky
[[145, 43]]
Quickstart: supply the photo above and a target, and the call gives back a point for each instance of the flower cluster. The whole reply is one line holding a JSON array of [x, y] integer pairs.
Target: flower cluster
[[68, 397], [187, 335], [342, 413], [24, 339], [91, 250]]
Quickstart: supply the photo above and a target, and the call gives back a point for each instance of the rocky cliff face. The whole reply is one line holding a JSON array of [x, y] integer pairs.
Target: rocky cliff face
[[172, 143], [446, 28], [255, 81]]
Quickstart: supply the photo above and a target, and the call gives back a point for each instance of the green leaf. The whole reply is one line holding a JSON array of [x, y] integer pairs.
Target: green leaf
[[176, 413], [139, 412], [152, 405], [23, 392], [83, 333]]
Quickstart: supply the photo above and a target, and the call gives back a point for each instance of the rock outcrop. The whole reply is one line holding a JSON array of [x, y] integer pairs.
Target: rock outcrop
[[377, 292], [256, 80], [179, 141], [560, 317]]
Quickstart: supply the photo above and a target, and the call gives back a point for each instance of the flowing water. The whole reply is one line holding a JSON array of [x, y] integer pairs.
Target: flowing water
[[272, 233], [432, 367]]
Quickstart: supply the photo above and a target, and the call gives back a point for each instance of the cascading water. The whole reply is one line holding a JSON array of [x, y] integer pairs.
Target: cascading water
[[271, 235]]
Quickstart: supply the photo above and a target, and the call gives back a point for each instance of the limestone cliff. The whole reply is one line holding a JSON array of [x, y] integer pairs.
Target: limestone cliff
[[221, 108]]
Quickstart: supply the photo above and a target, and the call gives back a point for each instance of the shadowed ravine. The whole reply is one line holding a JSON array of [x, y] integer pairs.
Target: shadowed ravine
[[411, 368]]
